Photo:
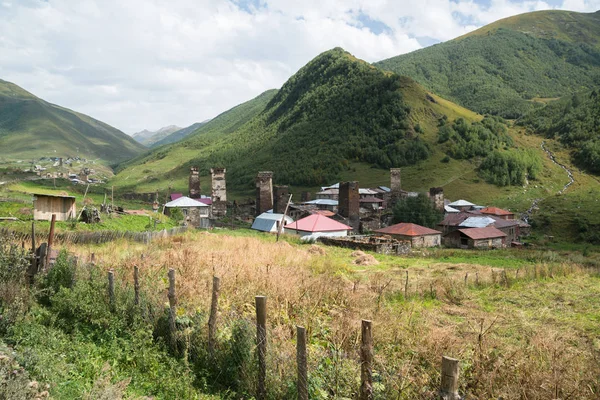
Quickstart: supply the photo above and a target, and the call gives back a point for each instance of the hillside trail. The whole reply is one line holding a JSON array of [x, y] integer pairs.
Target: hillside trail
[[527, 214]]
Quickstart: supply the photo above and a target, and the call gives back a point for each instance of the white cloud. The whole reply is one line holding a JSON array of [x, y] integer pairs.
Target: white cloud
[[149, 63]]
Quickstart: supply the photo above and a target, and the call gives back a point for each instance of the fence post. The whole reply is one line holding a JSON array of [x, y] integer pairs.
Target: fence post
[[50, 240], [136, 285], [111, 289], [261, 345], [301, 361], [212, 319], [449, 386], [172, 311], [366, 361], [406, 286], [33, 237]]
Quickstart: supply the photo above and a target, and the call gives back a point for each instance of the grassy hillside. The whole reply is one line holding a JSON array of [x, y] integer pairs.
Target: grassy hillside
[[575, 121], [335, 112], [34, 128], [510, 66], [178, 135]]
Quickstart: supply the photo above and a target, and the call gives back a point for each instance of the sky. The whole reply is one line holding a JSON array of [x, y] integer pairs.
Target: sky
[[145, 64]]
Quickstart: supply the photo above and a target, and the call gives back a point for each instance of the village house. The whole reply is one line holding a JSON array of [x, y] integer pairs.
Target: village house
[[317, 225], [196, 213], [462, 205], [324, 204], [474, 219], [270, 222], [476, 238], [498, 212], [328, 194], [419, 236], [44, 205]]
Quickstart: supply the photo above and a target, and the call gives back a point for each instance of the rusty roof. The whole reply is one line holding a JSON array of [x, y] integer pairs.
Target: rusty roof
[[495, 211], [482, 233], [53, 195], [408, 229]]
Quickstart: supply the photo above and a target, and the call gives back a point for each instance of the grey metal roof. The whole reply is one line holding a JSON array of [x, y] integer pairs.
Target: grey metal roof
[[326, 202], [477, 222], [461, 203], [184, 201], [449, 209], [265, 222], [385, 188]]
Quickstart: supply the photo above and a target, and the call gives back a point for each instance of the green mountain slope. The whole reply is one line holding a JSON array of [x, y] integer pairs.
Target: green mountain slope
[[506, 67], [575, 121], [31, 128], [335, 112], [178, 135]]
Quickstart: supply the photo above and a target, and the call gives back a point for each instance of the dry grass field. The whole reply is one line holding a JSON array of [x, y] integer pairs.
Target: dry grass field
[[525, 324]]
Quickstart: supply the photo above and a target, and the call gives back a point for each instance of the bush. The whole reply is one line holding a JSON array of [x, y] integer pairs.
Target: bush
[[14, 295]]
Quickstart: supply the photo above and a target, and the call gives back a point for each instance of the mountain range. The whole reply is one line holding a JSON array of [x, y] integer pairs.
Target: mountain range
[[32, 128], [147, 138]]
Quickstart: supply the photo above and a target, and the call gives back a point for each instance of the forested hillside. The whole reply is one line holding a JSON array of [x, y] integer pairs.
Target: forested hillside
[[31, 128], [337, 110], [575, 121], [511, 66]]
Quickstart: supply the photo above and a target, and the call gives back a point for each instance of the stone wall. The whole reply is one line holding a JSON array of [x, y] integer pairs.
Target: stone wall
[[436, 195], [264, 192], [370, 243], [349, 203], [281, 195], [194, 183], [218, 192]]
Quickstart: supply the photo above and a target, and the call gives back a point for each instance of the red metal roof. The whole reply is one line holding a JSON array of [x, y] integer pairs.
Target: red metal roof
[[175, 196], [205, 200], [408, 229], [483, 233], [495, 211], [317, 223]]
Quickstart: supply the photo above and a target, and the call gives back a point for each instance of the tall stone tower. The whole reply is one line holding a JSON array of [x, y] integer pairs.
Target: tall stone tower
[[349, 203], [264, 192], [194, 183], [219, 192], [281, 195], [436, 195], [395, 185]]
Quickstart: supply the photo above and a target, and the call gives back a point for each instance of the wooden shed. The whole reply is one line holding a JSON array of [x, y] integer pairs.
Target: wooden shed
[[44, 205]]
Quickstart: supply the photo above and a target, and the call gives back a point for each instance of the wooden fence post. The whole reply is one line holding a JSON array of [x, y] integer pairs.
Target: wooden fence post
[[261, 345], [33, 237], [136, 285], [50, 240], [406, 286], [111, 289], [212, 319], [301, 361], [172, 311], [449, 385], [366, 361]]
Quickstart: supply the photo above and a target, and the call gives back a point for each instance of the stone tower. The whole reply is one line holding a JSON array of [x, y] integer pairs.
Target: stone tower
[[219, 192], [436, 195], [264, 192], [349, 203], [194, 183], [281, 195], [395, 185]]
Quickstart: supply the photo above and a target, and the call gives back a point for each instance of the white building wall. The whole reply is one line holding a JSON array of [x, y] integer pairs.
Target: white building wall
[[305, 233]]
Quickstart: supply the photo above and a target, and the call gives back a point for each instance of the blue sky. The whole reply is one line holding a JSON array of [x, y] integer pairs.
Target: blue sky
[[144, 64]]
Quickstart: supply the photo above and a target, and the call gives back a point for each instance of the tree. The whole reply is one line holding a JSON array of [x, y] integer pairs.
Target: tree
[[418, 210]]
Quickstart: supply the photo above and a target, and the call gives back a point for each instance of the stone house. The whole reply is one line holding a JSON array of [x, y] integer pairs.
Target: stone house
[[476, 238], [419, 236], [195, 213]]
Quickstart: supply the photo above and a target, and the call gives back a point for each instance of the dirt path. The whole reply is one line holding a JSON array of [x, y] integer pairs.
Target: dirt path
[[527, 214]]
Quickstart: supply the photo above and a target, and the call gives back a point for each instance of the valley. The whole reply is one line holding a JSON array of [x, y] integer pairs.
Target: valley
[[350, 234]]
